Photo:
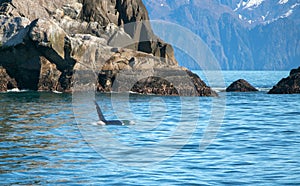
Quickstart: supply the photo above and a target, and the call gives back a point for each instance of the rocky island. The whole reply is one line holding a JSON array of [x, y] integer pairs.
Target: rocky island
[[49, 45], [241, 85], [289, 85]]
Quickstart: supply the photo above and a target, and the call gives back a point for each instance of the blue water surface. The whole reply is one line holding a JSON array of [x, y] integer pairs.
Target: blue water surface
[[47, 139]]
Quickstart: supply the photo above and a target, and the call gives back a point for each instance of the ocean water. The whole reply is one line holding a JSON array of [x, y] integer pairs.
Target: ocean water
[[235, 139]]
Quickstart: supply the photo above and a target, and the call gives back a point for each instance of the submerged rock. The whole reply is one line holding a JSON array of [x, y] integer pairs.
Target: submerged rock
[[241, 85], [49, 45], [289, 85]]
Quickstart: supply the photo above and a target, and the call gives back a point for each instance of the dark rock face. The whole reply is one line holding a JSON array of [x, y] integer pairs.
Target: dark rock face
[[6, 82], [289, 85], [241, 85], [200, 86], [22, 65], [50, 45]]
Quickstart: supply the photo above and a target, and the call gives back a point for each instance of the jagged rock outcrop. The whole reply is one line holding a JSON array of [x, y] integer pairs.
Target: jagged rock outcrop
[[289, 85], [93, 17], [52, 45], [130, 15], [241, 85]]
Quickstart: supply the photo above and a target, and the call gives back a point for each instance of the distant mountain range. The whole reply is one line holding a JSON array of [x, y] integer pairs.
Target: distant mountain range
[[243, 34]]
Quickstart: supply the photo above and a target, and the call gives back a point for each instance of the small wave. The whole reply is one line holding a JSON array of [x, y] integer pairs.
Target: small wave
[[57, 92], [264, 89], [132, 92], [224, 89], [219, 89], [17, 90], [95, 123]]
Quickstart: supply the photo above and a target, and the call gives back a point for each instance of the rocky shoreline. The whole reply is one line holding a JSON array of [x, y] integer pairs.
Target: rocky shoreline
[[45, 44], [50, 46]]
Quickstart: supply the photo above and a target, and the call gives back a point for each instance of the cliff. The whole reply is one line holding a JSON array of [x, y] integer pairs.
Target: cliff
[[50, 45]]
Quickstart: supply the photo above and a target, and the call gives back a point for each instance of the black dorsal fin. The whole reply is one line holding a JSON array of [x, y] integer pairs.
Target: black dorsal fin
[[101, 117]]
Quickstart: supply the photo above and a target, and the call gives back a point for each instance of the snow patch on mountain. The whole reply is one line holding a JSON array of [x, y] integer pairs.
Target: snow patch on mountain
[[255, 12], [238, 6], [252, 3], [283, 1]]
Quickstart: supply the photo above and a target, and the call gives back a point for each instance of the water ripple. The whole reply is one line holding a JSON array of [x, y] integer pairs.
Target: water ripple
[[258, 144]]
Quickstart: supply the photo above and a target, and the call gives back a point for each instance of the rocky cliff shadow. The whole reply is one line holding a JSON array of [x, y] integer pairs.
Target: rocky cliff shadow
[[22, 63]]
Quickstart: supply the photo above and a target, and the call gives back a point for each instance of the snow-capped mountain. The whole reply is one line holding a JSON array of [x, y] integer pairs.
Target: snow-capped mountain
[[243, 34], [251, 11], [265, 11]]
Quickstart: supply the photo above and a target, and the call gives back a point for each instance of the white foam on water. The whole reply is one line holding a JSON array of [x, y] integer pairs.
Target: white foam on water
[[17, 90], [57, 92]]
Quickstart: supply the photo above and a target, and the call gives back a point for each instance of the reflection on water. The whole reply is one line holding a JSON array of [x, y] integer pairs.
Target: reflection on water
[[258, 144]]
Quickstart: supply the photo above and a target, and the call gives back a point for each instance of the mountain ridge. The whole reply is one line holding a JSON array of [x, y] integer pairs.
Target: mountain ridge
[[242, 37]]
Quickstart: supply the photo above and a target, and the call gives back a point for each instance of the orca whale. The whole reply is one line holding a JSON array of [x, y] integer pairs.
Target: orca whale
[[103, 121]]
